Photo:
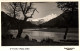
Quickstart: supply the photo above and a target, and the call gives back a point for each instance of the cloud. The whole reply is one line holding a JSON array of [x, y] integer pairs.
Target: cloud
[[46, 18], [43, 8]]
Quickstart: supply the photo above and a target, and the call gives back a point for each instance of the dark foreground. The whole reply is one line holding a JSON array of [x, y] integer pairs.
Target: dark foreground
[[24, 42]]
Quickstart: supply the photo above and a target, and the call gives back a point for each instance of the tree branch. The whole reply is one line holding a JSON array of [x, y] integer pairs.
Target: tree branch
[[21, 7], [32, 13], [25, 7], [28, 8], [12, 6]]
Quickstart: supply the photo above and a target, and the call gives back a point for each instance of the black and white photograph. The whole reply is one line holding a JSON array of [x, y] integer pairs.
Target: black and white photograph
[[39, 24]]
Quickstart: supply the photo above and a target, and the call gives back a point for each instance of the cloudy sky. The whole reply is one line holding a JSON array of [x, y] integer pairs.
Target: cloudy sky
[[44, 9]]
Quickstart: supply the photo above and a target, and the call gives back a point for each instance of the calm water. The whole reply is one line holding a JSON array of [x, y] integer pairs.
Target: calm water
[[39, 35]]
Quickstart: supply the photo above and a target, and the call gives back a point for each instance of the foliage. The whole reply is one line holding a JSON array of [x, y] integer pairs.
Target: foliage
[[68, 6], [71, 8]]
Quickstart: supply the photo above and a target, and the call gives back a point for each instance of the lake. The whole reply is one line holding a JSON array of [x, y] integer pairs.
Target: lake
[[44, 33]]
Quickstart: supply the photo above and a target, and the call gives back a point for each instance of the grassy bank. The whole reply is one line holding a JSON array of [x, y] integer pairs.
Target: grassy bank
[[24, 42]]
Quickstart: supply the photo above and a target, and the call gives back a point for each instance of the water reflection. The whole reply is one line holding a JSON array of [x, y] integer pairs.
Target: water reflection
[[39, 35]]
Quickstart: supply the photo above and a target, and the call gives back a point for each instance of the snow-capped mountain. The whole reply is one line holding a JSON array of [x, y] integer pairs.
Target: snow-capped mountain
[[44, 19]]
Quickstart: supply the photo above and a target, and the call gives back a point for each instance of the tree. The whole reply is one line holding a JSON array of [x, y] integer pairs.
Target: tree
[[71, 8], [12, 9], [25, 9]]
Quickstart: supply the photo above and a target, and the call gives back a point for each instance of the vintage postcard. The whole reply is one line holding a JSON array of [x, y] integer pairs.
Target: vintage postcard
[[39, 25]]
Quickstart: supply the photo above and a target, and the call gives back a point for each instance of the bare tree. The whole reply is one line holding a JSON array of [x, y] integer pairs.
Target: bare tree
[[14, 10], [25, 9]]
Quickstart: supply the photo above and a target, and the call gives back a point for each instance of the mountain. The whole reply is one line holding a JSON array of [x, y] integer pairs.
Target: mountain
[[12, 23], [46, 18], [63, 20], [43, 19]]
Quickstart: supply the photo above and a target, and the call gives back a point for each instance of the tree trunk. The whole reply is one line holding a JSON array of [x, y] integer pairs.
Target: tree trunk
[[14, 14], [66, 33], [20, 30], [20, 27]]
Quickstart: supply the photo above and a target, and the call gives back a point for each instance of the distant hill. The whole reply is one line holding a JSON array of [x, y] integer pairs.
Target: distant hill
[[12, 23], [61, 21], [38, 22], [43, 19]]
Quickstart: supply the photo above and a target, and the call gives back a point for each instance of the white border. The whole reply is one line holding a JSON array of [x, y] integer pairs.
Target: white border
[[38, 48]]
